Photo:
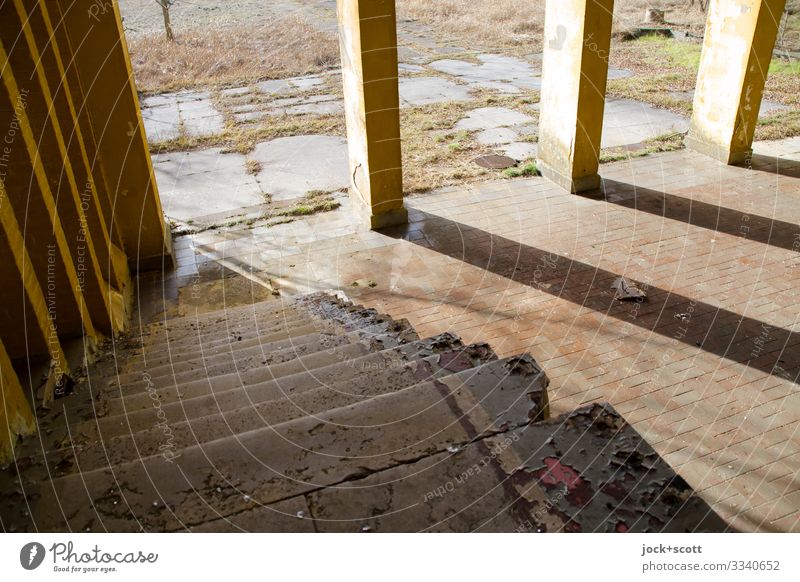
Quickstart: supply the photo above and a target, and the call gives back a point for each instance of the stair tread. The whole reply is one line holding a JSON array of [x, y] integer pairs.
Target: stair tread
[[345, 368], [266, 465], [278, 402], [259, 355], [582, 471]]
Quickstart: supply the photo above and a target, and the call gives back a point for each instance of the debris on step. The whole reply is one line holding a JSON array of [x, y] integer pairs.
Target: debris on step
[[627, 291]]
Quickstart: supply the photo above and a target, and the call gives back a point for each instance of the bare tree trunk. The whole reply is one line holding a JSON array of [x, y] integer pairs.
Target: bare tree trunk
[[703, 4], [167, 24]]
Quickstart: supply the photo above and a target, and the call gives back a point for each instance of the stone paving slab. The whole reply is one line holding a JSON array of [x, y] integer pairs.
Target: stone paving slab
[[492, 117], [410, 68], [415, 91], [521, 150], [629, 122], [295, 83], [198, 183], [293, 166], [496, 72], [496, 135], [167, 114]]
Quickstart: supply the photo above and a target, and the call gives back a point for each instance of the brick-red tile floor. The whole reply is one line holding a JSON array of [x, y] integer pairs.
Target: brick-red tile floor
[[706, 369]]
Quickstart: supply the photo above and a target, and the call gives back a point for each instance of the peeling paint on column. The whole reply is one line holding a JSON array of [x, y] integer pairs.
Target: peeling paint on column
[[574, 75], [737, 50]]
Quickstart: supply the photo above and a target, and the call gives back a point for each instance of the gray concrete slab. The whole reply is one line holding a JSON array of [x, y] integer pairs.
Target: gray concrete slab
[[319, 108], [314, 105], [629, 122], [244, 107], [496, 135], [200, 118], [306, 83], [619, 74], [161, 122], [495, 72], [408, 68], [273, 86], [199, 183], [409, 54], [492, 117], [416, 91], [248, 116], [521, 150], [292, 166], [167, 115], [236, 91]]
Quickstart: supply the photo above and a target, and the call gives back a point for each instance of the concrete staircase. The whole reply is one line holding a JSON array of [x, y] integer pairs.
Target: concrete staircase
[[314, 414]]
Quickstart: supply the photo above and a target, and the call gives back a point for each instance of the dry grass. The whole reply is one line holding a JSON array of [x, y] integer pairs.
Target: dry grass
[[242, 139], [495, 24], [487, 24], [436, 155], [778, 125], [663, 66], [229, 56]]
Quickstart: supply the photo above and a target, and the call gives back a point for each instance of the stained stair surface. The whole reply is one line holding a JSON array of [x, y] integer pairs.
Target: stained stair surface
[[316, 415]]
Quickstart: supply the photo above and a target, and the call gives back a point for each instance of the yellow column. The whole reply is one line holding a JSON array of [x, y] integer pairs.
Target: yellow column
[[32, 193], [368, 39], [737, 50], [574, 73], [101, 59], [64, 85], [16, 418], [28, 312], [59, 147]]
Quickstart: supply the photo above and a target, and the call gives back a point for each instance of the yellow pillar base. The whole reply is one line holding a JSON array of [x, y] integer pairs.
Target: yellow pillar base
[[572, 184], [737, 50]]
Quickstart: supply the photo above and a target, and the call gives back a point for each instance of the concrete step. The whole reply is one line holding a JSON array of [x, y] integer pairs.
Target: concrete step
[[322, 305], [586, 471], [340, 370], [229, 337], [219, 338], [232, 475], [205, 400], [74, 426], [278, 310], [264, 354], [197, 355], [305, 394]]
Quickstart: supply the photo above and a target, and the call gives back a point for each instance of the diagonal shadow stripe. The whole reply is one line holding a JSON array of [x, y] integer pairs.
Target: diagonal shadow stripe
[[776, 166], [742, 339], [770, 231]]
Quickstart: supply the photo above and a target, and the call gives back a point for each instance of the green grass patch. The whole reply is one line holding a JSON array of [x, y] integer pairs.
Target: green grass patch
[[526, 170]]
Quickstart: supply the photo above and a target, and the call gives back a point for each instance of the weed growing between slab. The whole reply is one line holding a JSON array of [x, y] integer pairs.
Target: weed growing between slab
[[314, 202], [525, 171], [667, 142]]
